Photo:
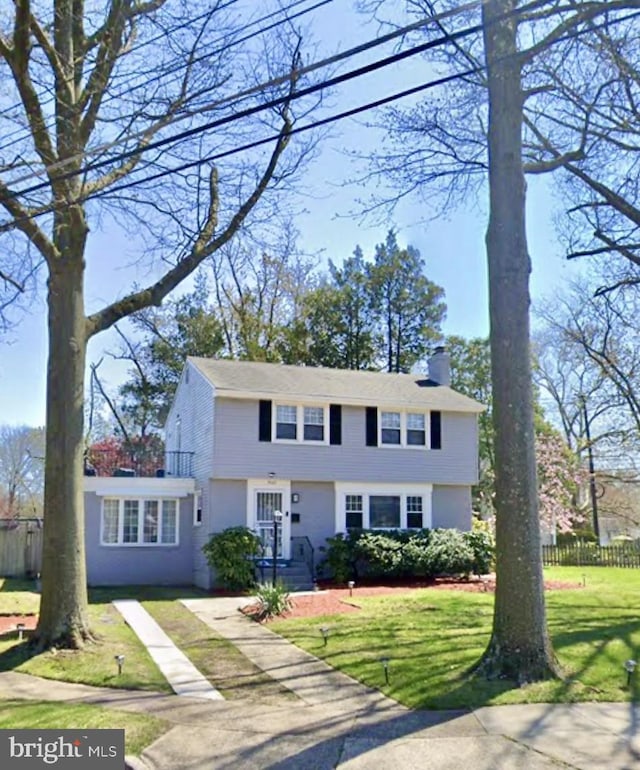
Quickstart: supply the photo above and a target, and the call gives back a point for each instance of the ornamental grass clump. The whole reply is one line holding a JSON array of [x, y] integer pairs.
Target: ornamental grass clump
[[273, 600]]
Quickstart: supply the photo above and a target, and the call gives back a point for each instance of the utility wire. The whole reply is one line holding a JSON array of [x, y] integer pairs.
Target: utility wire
[[243, 148], [301, 71], [182, 65], [440, 81]]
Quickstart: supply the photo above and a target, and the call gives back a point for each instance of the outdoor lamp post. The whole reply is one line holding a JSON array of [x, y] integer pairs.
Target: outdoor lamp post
[[324, 630], [351, 584], [629, 667], [385, 666], [20, 630], [119, 659], [277, 519]]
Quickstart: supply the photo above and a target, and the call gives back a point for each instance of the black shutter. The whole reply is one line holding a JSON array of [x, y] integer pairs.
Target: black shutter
[[335, 424], [436, 430], [372, 426], [265, 421]]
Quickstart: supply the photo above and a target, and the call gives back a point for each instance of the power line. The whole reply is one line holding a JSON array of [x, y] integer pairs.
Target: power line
[[133, 49], [355, 73], [182, 65], [251, 91], [249, 146]]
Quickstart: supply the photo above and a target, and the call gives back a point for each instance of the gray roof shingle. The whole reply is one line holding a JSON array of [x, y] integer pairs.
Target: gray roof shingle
[[249, 379]]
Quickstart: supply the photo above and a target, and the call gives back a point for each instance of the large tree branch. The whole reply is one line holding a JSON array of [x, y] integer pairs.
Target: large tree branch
[[204, 246], [23, 221], [584, 12], [17, 57]]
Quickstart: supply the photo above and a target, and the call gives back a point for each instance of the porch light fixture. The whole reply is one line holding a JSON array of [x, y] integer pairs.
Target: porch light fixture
[[324, 630], [272, 477], [20, 629], [351, 584], [629, 667], [119, 659], [385, 668]]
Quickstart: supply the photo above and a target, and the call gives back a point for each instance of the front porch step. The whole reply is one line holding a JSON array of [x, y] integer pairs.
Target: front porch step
[[295, 576]]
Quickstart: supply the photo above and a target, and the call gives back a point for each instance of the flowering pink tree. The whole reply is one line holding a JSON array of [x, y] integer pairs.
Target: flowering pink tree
[[560, 480]]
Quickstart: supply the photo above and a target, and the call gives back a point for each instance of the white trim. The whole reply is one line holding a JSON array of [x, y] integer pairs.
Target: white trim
[[140, 542], [272, 485], [367, 488], [197, 505], [299, 406], [137, 486]]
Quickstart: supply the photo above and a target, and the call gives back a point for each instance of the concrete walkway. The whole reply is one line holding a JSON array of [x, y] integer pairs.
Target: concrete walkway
[[179, 671], [338, 723]]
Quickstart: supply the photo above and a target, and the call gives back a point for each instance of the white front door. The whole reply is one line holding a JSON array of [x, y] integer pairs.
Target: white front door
[[267, 500]]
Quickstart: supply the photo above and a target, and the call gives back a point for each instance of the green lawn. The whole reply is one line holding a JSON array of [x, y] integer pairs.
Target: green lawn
[[140, 729], [95, 664], [433, 638]]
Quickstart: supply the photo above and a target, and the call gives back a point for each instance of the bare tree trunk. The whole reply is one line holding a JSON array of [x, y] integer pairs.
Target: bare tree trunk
[[520, 647], [63, 618]]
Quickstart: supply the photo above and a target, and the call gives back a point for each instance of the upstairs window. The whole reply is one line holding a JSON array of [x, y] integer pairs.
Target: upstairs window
[[416, 433], [286, 422], [313, 423], [390, 425]]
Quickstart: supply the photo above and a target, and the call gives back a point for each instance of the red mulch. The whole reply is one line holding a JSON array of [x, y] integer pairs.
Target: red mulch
[[8, 622], [332, 601]]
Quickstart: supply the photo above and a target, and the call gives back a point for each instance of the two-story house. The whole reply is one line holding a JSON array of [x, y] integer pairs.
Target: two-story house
[[328, 449]]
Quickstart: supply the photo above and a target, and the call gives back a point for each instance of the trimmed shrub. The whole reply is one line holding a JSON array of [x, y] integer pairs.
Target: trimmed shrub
[[449, 553], [483, 546], [407, 553], [231, 553]]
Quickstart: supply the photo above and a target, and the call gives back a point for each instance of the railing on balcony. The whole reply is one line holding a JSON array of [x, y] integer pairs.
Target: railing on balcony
[[138, 462]]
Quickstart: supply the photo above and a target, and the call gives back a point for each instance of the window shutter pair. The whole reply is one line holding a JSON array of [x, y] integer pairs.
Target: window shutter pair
[[371, 427], [265, 420]]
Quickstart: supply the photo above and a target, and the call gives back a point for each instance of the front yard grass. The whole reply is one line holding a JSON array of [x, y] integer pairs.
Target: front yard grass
[[433, 637], [228, 670], [140, 729], [218, 660]]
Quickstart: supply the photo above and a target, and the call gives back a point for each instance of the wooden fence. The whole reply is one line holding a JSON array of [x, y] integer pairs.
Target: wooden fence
[[20, 547], [590, 555]]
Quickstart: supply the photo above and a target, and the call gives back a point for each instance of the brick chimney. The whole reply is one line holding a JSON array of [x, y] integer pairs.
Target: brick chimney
[[440, 366]]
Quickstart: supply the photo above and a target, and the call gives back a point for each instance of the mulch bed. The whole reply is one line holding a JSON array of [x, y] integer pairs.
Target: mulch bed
[[332, 601]]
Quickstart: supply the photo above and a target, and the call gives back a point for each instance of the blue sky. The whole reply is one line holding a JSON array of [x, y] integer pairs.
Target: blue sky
[[452, 247]]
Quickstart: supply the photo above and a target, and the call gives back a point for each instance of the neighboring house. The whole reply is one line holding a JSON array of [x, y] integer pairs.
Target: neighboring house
[[330, 449]]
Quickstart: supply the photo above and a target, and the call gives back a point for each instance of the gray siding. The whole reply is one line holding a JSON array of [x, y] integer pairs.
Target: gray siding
[[228, 508], [239, 454], [193, 404], [451, 507], [317, 512], [137, 565]]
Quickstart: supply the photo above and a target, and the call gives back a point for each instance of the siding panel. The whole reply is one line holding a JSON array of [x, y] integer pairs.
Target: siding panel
[[194, 404], [451, 507], [239, 455], [137, 565]]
